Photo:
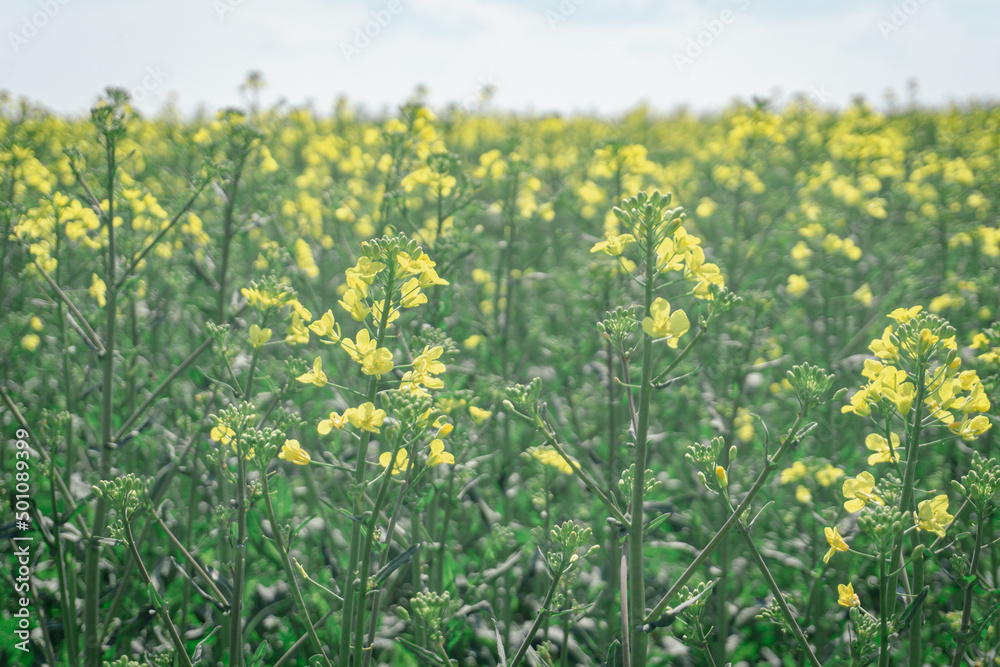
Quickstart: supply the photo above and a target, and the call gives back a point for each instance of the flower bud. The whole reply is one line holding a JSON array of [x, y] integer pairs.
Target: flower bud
[[732, 453], [720, 474]]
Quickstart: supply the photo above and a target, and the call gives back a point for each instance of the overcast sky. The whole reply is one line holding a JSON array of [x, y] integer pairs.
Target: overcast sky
[[601, 56]]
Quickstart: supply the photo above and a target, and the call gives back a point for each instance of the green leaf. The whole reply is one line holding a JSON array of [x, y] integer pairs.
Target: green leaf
[[258, 655], [653, 523], [614, 658], [394, 564], [911, 609]]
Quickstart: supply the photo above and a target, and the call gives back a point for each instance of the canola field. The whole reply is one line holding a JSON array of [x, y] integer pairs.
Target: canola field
[[282, 387]]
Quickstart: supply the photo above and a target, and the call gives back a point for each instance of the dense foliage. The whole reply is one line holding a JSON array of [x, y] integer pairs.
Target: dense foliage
[[377, 390]]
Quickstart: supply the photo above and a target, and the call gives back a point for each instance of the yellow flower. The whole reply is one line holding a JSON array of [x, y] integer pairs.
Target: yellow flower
[[836, 542], [292, 452], [550, 457], [377, 312], [438, 455], [829, 475], [425, 367], [400, 465], [902, 395], [222, 434], [353, 302], [316, 376], [971, 428], [334, 421], [36, 323], [478, 414], [706, 207], [847, 597], [797, 285], [803, 494], [258, 336], [860, 491], [932, 515], [793, 473], [378, 362], [884, 347], [366, 417], [664, 325], [360, 346], [864, 295], [30, 342], [98, 290], [300, 310], [411, 295], [304, 258], [446, 405], [859, 404], [296, 333], [326, 327], [472, 342], [902, 315], [703, 273], [613, 244], [722, 476], [881, 449], [801, 251], [427, 361], [363, 274]]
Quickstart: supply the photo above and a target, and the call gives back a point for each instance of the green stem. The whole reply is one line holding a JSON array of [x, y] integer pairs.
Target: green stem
[[236, 609], [776, 591], [564, 650], [791, 440], [883, 595], [160, 610], [636, 581], [192, 509], [916, 624], [977, 550], [191, 560], [550, 438], [88, 333], [92, 638], [68, 613], [347, 621], [162, 387], [279, 541], [366, 562], [533, 630], [905, 505], [384, 557], [227, 238], [6, 235], [163, 232]]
